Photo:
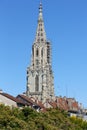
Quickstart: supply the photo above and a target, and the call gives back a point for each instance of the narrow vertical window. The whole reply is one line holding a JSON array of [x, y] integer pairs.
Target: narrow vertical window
[[42, 52], [42, 39], [48, 54], [36, 83], [37, 52]]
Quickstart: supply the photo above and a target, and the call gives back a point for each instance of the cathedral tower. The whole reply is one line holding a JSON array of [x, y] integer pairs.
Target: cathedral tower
[[39, 74]]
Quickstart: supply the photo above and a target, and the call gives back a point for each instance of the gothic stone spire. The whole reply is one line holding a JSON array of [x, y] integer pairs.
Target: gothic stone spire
[[40, 33], [39, 74]]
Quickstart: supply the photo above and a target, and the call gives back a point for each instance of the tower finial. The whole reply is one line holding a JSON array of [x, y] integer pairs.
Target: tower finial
[[40, 7], [40, 1], [40, 11]]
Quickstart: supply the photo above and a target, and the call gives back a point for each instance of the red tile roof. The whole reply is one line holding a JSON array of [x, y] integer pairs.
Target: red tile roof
[[27, 99], [40, 104], [53, 104], [62, 103], [67, 103]]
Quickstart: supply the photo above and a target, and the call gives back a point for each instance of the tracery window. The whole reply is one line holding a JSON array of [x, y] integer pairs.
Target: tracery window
[[36, 83]]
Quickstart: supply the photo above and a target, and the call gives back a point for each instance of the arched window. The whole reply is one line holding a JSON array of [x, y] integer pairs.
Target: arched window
[[37, 52], [42, 39], [36, 83]]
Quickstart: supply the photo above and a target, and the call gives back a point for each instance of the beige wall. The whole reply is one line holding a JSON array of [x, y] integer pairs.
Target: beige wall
[[7, 102]]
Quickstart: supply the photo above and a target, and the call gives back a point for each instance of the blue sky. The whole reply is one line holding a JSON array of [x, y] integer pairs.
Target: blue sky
[[66, 28]]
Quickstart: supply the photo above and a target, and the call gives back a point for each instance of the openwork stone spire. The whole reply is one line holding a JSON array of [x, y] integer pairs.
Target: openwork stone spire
[[40, 80], [40, 33]]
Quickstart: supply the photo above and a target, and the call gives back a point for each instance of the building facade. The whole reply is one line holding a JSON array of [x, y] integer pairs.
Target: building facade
[[40, 80], [9, 100]]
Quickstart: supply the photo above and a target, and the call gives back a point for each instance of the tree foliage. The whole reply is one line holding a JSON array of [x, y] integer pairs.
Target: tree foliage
[[29, 119]]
